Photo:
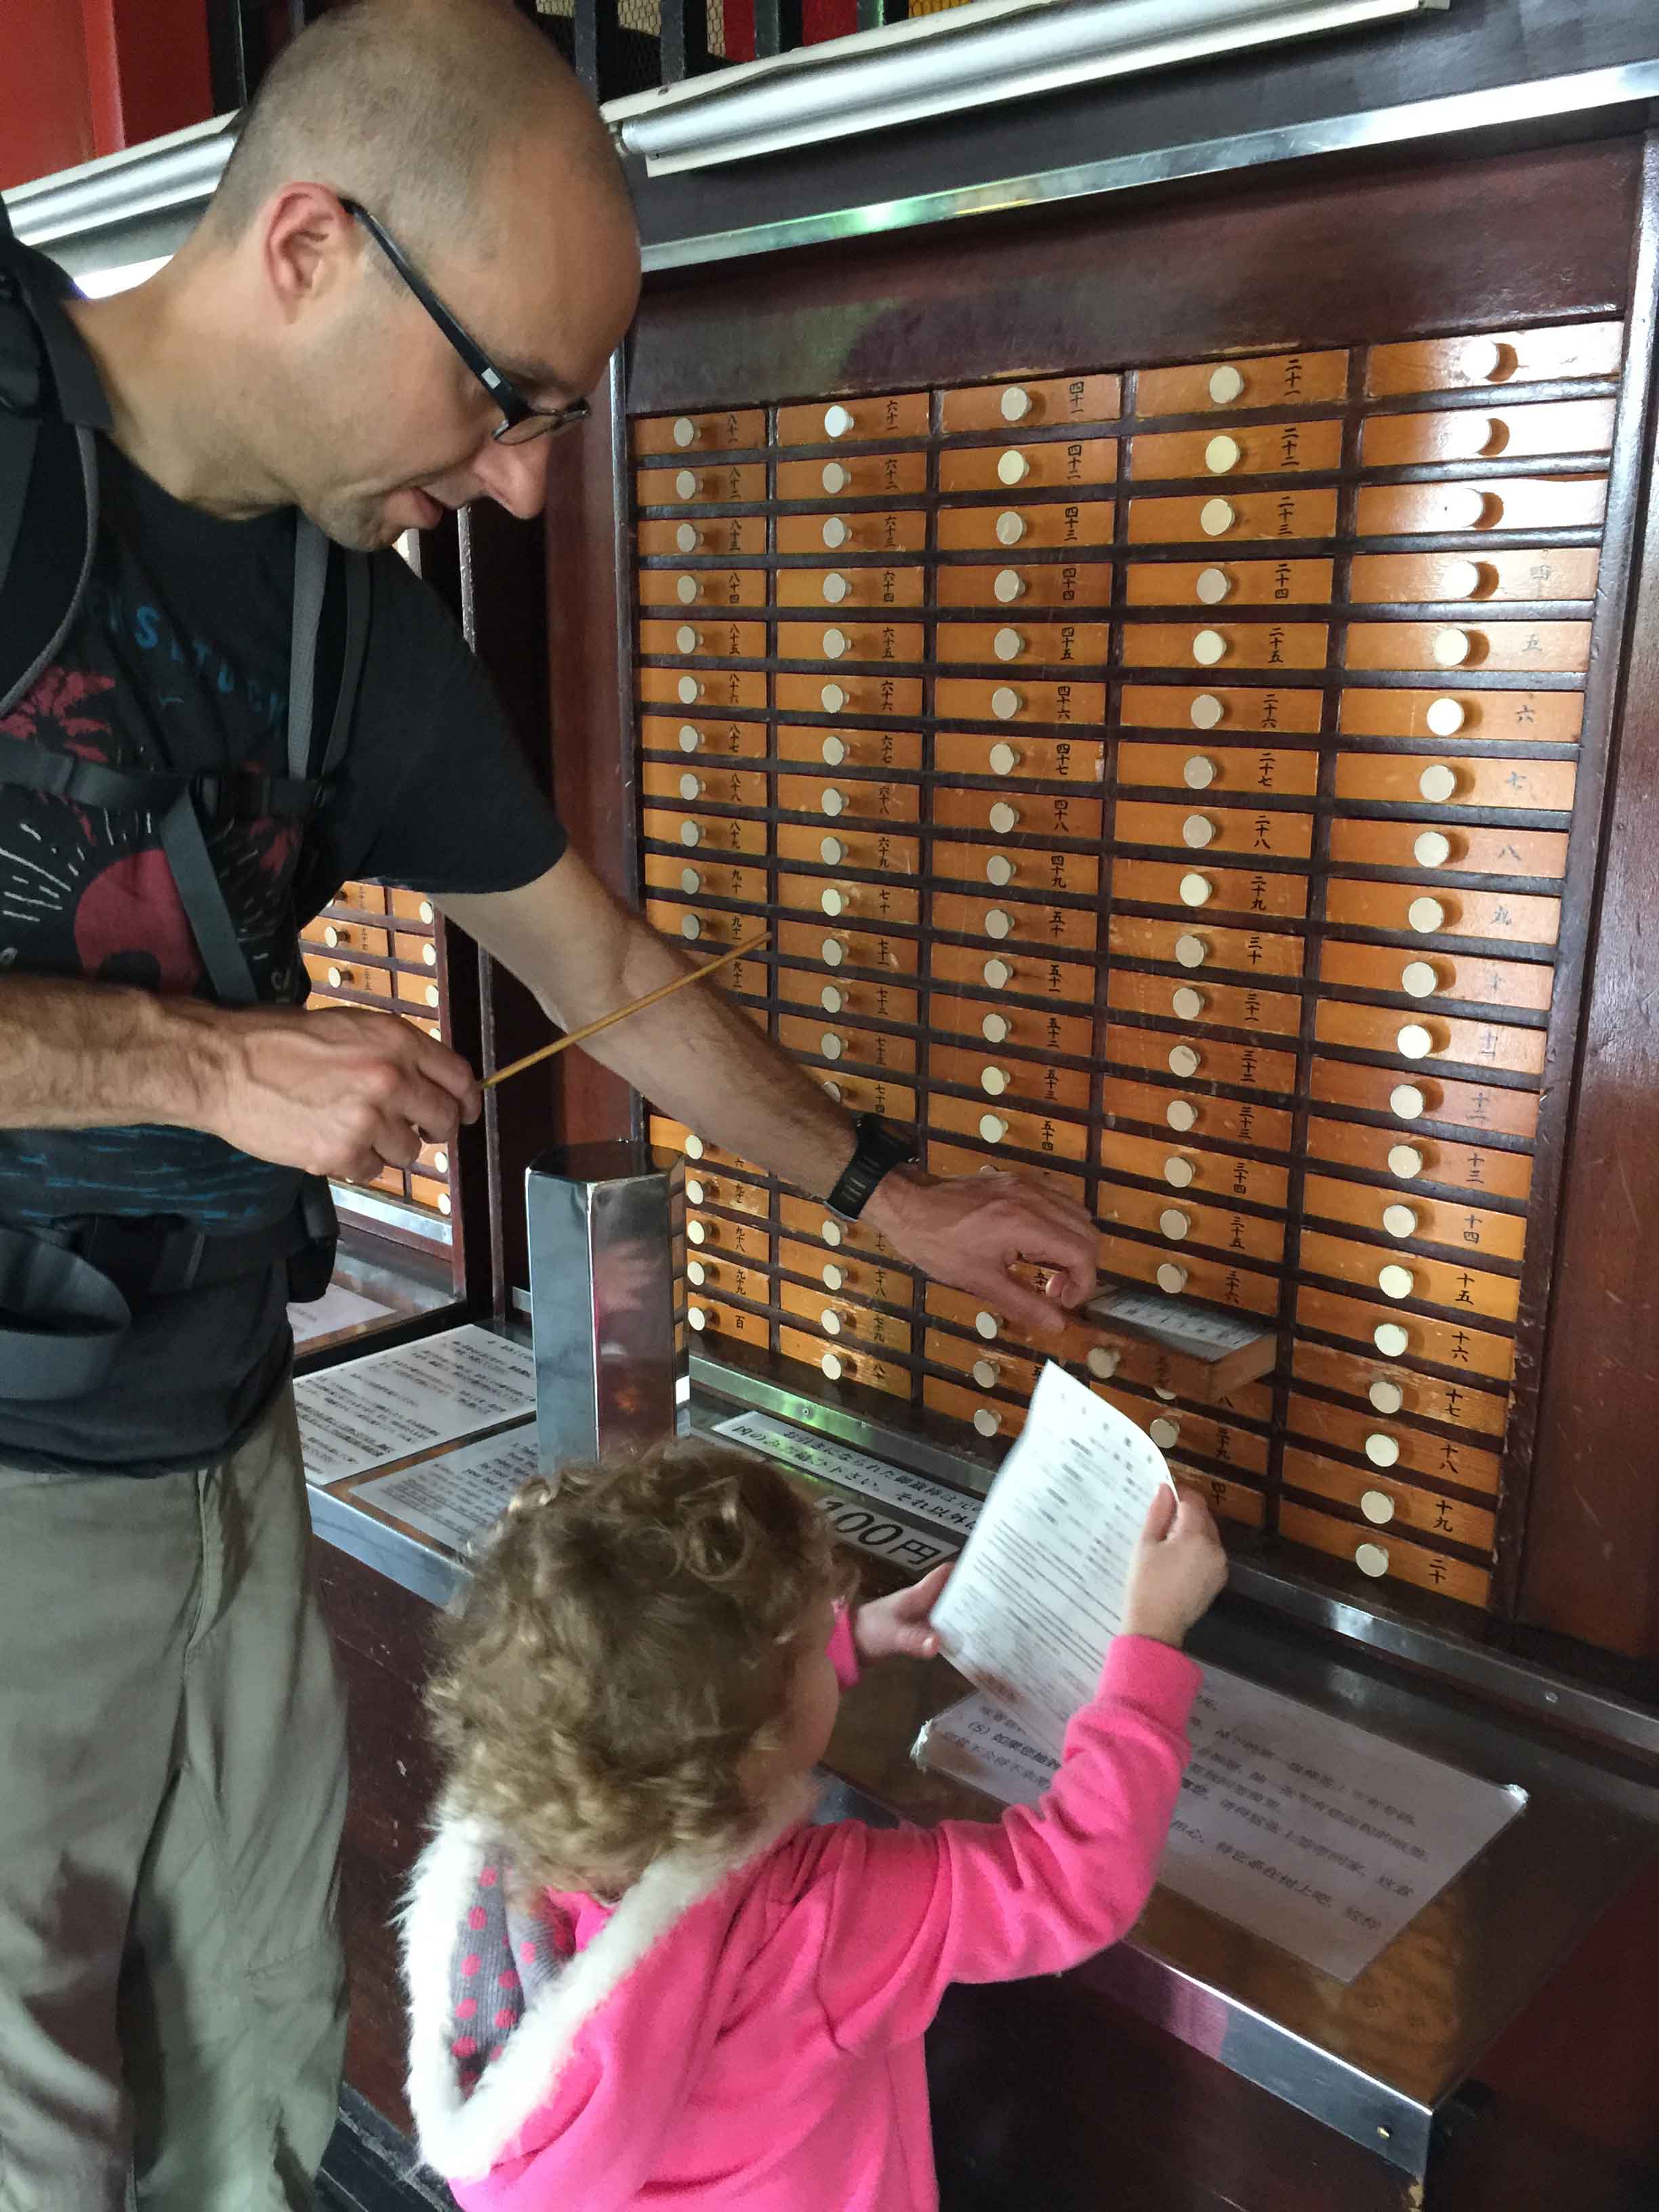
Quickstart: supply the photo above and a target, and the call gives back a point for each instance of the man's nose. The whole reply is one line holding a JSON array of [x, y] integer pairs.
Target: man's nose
[[515, 477]]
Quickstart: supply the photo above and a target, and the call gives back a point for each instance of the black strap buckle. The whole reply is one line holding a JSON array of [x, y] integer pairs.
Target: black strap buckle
[[231, 795]]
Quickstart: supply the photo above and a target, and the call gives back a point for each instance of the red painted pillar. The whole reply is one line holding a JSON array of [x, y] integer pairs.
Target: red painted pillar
[[83, 77]]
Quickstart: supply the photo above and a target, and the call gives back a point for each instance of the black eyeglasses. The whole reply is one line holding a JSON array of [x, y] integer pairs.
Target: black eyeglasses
[[521, 419]]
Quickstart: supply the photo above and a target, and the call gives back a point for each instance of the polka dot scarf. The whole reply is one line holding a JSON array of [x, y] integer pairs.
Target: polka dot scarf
[[503, 1957]]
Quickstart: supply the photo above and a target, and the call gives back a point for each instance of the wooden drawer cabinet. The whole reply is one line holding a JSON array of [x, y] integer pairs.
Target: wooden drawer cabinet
[[1409, 1097], [1418, 1161], [1399, 1558], [1411, 1218], [1392, 1447], [1398, 1392], [1410, 1277]]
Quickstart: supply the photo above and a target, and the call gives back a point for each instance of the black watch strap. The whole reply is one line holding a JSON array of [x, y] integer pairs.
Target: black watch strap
[[880, 1145]]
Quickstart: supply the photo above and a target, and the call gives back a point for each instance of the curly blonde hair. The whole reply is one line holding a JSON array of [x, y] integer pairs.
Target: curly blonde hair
[[629, 1638]]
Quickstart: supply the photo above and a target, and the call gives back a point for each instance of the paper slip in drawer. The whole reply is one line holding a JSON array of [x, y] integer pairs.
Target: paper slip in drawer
[[1070, 526], [1410, 1278], [1270, 954], [855, 421], [1410, 1160], [721, 430], [845, 1361], [1553, 572], [1073, 464], [1392, 1446], [1473, 434], [1196, 1352], [698, 737], [1393, 1390], [1282, 380], [857, 476], [1232, 1005], [1264, 711], [1495, 360], [1191, 1115], [1412, 1097], [1400, 1559], [1242, 449], [1206, 825], [1033, 402], [1460, 1346], [1205, 770], [870, 752]]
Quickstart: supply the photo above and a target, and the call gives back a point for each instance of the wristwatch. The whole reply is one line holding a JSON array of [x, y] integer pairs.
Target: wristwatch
[[880, 1145]]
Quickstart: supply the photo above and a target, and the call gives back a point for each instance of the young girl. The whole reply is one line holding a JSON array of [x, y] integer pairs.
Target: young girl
[[638, 1974]]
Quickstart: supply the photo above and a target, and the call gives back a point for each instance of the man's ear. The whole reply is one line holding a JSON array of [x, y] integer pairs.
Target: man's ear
[[309, 247]]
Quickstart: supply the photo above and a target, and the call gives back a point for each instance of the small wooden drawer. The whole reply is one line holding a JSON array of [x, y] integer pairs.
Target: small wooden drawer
[[978, 1321], [414, 951], [708, 1320], [1429, 1282], [1541, 787], [1433, 913], [1010, 1027], [845, 1361], [1201, 828], [833, 1316], [1026, 868], [1408, 1216], [831, 1037], [859, 476], [1022, 814], [1468, 977], [1036, 403], [1244, 449], [997, 1074], [699, 481], [1202, 887], [710, 1183], [1071, 525], [1176, 1220], [1024, 588], [834, 640], [1413, 1098], [703, 595], [1475, 852], [882, 532], [1470, 1044], [855, 422], [1185, 1273], [697, 781], [873, 1094], [704, 874], [1076, 759], [1476, 434], [1397, 1560], [709, 929], [1279, 379], [663, 1130], [1460, 1346], [1496, 503], [990, 1417], [414, 990], [1016, 699], [329, 973], [1225, 644], [1415, 1161], [1228, 1501], [699, 738], [1553, 648], [737, 430], [833, 948], [1241, 1067], [717, 536], [849, 1001], [334, 941], [706, 637], [850, 903], [1549, 718], [698, 832], [704, 690], [998, 1127], [831, 592], [1556, 572], [810, 1219], [858, 850], [1068, 984], [714, 1239], [1386, 1500], [992, 1366], [1213, 1120], [1228, 584], [376, 899], [1403, 1395], [1200, 1003], [1203, 946], [1019, 643], [865, 1278], [873, 751], [1229, 517], [1076, 464], [944, 1158], [1175, 1429], [722, 1275], [1026, 925], [1268, 712], [1496, 358], [1189, 1168], [859, 697]]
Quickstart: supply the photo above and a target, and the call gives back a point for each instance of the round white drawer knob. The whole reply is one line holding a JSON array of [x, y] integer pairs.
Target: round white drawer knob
[[1213, 586], [692, 787], [1010, 585], [1460, 579], [1376, 1505], [1171, 1279], [688, 591], [836, 643], [1482, 360], [834, 698], [832, 851], [1164, 1432], [1426, 914], [1009, 528], [834, 750], [992, 1129], [1216, 517], [697, 1318], [986, 1374], [832, 1090], [1400, 1221], [1371, 1559], [695, 1233], [1013, 468], [330, 935], [999, 869], [689, 690], [834, 1279], [835, 587], [1187, 1003], [1209, 646], [1168, 1396], [1195, 890], [686, 639], [1395, 1282], [837, 476], [694, 1147], [836, 532], [689, 834], [1102, 1362], [1405, 1161], [699, 1272], [987, 1421], [1197, 831], [1180, 1113], [1226, 384], [1407, 1102], [1414, 1040], [832, 998], [833, 1365], [1451, 647], [994, 1081], [834, 952], [1004, 761], [685, 431], [1175, 1223], [1466, 507], [1385, 1397], [1382, 1450], [1432, 850], [687, 537], [1183, 1062], [1445, 718], [1002, 816], [830, 1322], [1438, 781], [686, 484], [1222, 454], [1419, 979], [1206, 710], [1017, 404], [999, 924], [1390, 1340], [998, 974], [1006, 702], [834, 901], [1178, 1173], [986, 1325], [994, 1029], [831, 1045], [1198, 772], [690, 740], [1008, 644], [831, 801], [689, 925], [837, 422]]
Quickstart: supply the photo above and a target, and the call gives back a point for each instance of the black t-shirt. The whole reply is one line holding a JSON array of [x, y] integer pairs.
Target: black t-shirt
[[179, 661]]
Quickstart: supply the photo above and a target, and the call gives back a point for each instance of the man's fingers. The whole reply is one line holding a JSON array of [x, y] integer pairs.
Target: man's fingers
[[397, 1143], [1039, 1313], [449, 1072]]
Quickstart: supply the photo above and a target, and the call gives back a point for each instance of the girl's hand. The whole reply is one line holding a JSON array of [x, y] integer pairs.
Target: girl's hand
[[896, 1626], [1179, 1569]]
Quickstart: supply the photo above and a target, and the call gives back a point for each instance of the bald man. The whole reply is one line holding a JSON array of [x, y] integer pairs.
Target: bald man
[[420, 259]]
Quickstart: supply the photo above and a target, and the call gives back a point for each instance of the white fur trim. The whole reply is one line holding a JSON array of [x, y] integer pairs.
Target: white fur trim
[[463, 2136]]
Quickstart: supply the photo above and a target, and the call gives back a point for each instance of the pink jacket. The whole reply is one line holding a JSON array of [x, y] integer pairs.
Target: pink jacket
[[749, 2035]]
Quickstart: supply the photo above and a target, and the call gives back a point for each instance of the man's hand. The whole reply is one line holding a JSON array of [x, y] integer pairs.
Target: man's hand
[[342, 1093], [896, 1626], [972, 1229]]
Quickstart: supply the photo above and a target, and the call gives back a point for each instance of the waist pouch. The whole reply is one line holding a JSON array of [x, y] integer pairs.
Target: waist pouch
[[67, 1297]]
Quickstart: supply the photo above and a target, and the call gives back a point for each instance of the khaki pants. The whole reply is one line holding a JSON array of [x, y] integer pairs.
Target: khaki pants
[[171, 1793]]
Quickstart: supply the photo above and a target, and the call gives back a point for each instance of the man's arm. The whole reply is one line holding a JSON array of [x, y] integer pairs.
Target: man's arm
[[699, 1058]]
